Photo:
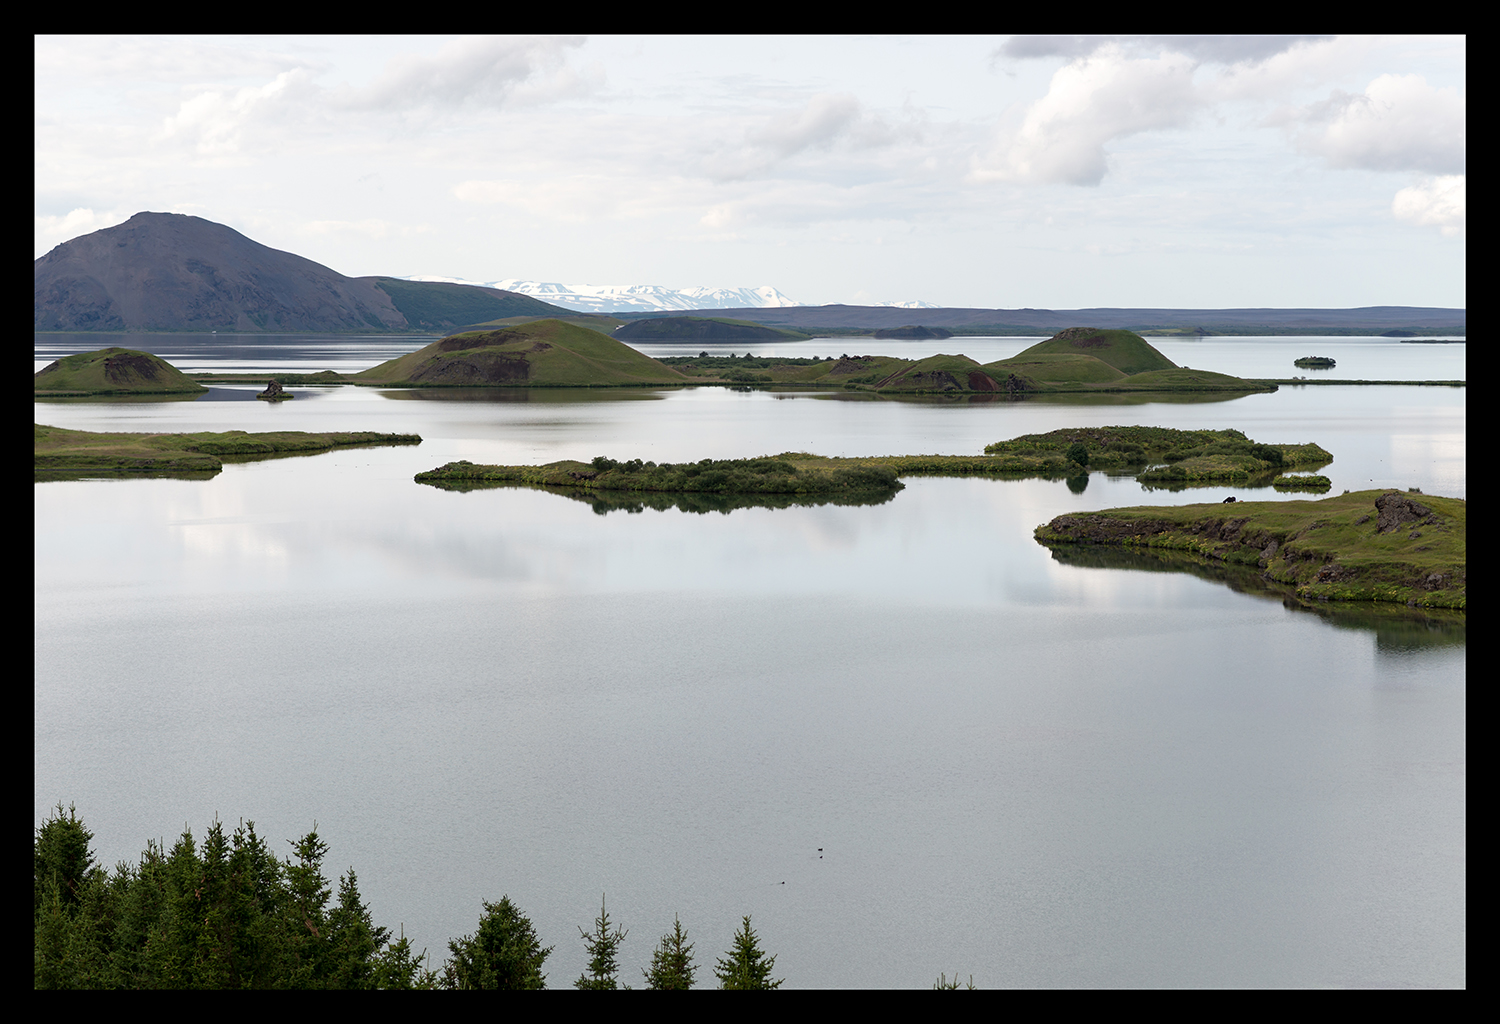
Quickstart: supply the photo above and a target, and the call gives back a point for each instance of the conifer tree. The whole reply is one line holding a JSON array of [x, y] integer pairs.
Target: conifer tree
[[603, 946], [744, 966], [503, 954], [398, 968], [672, 962]]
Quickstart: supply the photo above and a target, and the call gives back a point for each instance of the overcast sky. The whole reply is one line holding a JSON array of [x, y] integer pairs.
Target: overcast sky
[[1057, 172]]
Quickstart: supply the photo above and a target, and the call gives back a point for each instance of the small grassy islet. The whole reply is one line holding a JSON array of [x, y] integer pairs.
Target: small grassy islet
[[1374, 545], [59, 451]]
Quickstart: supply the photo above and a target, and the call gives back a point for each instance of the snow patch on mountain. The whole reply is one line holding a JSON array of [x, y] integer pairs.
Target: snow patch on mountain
[[649, 298]]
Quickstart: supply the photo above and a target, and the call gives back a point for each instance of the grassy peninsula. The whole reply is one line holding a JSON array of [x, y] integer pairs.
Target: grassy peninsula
[[59, 452], [1385, 546]]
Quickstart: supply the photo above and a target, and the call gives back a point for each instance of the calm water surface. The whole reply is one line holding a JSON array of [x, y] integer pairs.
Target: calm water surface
[[1029, 771]]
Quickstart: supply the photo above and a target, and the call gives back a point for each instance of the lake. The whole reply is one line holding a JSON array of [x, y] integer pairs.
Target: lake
[[903, 737]]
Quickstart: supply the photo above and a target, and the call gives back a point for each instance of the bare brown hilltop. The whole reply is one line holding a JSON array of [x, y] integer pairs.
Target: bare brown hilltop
[[173, 272]]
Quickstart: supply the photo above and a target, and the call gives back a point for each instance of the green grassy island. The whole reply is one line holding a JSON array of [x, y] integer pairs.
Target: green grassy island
[[554, 353], [60, 453], [1382, 546], [1079, 359], [1192, 458], [558, 353], [543, 353], [113, 371]]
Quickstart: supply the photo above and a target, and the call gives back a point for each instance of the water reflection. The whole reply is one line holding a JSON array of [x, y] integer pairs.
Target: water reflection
[[1396, 626], [697, 502], [533, 396]]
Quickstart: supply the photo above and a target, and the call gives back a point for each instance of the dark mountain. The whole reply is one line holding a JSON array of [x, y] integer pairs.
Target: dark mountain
[[171, 272]]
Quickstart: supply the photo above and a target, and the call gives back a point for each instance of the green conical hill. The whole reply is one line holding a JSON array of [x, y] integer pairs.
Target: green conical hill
[[543, 353], [939, 373], [114, 371], [1126, 351], [1056, 367]]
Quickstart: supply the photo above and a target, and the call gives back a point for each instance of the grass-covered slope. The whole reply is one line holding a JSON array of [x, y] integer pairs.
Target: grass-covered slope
[[439, 305], [114, 371], [57, 450], [1361, 546], [543, 353]]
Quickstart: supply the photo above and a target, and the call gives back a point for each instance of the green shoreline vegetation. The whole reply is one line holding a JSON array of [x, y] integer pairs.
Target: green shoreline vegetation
[[556, 353], [1381, 546], [227, 913], [59, 453], [1192, 458]]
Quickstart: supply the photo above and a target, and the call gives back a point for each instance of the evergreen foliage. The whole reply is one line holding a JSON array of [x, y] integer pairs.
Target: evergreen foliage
[[504, 954], [672, 963], [226, 914], [743, 965], [603, 946]]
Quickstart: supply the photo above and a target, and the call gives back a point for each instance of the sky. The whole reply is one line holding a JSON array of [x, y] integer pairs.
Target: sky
[[1056, 172]]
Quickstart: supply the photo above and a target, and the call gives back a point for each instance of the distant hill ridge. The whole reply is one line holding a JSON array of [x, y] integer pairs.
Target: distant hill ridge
[[1393, 321], [173, 272]]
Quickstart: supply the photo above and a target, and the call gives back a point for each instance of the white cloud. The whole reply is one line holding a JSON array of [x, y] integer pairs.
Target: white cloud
[[214, 121], [1399, 123], [52, 231], [488, 71], [1439, 202], [825, 121], [1092, 101]]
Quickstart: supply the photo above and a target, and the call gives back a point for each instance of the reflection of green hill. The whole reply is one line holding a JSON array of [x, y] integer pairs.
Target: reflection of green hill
[[697, 502], [543, 353], [1394, 625]]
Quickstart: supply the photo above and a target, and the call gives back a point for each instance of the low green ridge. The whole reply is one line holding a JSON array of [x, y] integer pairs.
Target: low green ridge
[[1192, 456], [113, 371], [58, 451], [704, 328], [439, 305], [1361, 546], [1213, 455], [790, 473]]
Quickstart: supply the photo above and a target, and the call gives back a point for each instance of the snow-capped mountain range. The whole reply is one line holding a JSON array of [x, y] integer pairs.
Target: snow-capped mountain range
[[646, 298]]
